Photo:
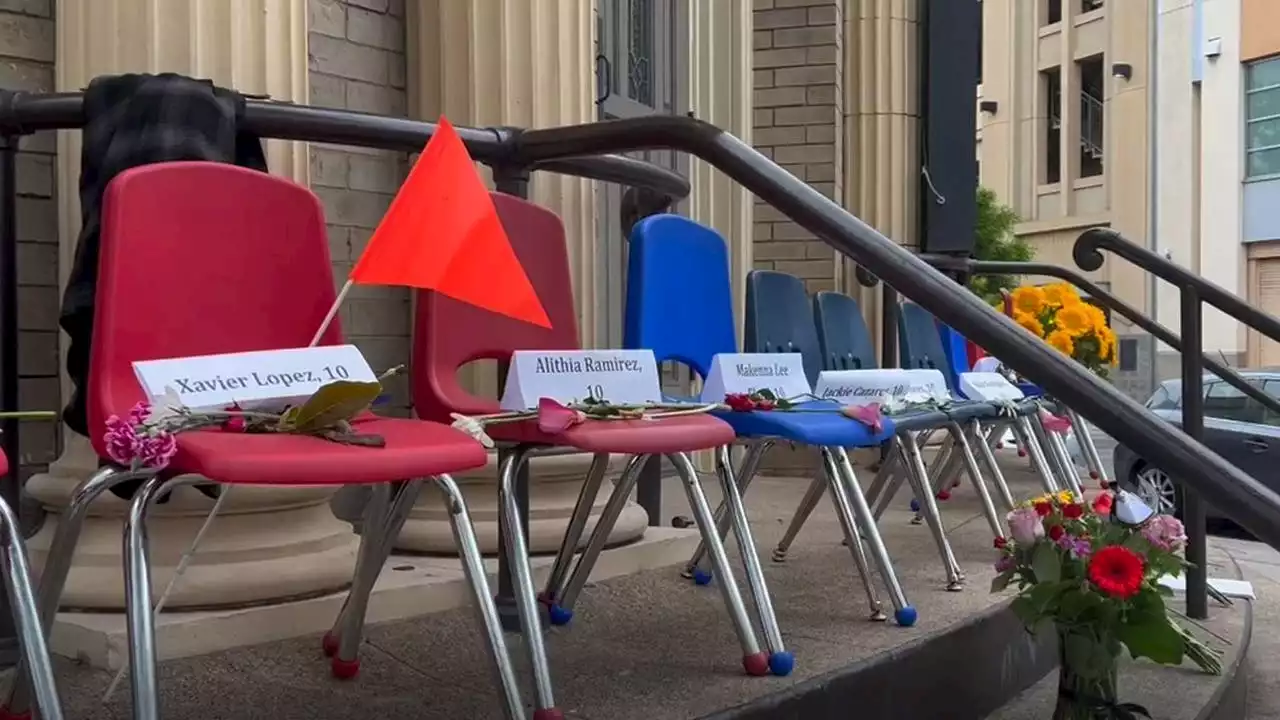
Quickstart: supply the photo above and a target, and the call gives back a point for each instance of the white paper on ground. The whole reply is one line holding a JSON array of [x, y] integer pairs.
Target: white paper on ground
[[1230, 588]]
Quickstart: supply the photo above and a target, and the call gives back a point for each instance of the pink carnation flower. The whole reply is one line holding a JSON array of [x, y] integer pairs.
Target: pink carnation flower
[[1165, 532], [121, 441]]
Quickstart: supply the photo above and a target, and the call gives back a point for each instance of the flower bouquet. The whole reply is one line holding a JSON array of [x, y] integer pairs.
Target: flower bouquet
[[1094, 576], [1057, 314]]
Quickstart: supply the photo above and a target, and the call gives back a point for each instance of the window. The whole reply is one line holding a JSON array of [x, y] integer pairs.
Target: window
[[1090, 5], [1052, 10], [1051, 84], [1262, 118], [1269, 416], [1162, 400], [980, 19], [1092, 116], [1224, 402]]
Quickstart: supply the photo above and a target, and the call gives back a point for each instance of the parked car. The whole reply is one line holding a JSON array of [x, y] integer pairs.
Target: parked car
[[1237, 427]]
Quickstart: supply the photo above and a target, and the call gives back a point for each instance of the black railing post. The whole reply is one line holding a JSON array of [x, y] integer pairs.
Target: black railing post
[[1193, 511], [11, 485], [510, 181]]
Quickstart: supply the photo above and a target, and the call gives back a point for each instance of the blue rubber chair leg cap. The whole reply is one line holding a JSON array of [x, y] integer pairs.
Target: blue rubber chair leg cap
[[782, 663], [558, 615], [905, 617], [701, 577], [915, 505]]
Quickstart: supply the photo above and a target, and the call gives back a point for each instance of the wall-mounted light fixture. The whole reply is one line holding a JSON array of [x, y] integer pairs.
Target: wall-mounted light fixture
[[1122, 71], [988, 106]]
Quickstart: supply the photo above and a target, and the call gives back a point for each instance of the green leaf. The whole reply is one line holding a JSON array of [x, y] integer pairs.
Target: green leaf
[[1086, 655], [766, 394], [334, 403], [1026, 611], [1076, 604], [1153, 638], [1046, 563]]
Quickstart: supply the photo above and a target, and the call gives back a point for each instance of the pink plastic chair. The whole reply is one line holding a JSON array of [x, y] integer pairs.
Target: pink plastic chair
[[205, 258], [537, 236]]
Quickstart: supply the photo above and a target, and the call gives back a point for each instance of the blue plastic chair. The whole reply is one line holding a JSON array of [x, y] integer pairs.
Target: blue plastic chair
[[680, 305], [921, 347]]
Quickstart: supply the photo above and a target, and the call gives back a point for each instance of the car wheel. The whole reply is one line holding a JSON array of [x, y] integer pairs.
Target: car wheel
[[1158, 490]]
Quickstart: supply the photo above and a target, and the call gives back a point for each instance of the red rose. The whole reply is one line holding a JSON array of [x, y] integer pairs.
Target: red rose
[[1102, 503], [1056, 532], [739, 402], [233, 424], [1116, 571], [944, 495], [765, 405], [1043, 508], [1001, 543], [1072, 511]]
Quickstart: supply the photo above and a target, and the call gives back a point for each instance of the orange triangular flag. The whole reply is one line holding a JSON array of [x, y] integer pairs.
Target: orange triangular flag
[[442, 233]]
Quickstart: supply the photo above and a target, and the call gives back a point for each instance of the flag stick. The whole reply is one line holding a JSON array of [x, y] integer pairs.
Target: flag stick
[[333, 312], [187, 557]]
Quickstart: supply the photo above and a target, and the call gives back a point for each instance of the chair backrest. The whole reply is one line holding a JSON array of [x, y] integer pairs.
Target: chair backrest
[[956, 347], [780, 319], [203, 258], [679, 297], [843, 336], [449, 333], [920, 344]]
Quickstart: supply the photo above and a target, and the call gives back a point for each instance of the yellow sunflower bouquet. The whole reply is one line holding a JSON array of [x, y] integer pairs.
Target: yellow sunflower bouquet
[[1057, 314]]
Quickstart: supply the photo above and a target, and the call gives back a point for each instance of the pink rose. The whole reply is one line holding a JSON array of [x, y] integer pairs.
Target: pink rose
[[1025, 526], [1165, 532], [555, 418], [869, 415]]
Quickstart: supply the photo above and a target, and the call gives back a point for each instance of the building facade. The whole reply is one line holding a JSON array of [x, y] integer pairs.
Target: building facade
[[1063, 138], [827, 88], [1219, 142]]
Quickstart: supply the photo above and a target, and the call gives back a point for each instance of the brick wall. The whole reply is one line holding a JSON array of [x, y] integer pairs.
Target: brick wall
[[798, 122], [26, 63], [357, 62]]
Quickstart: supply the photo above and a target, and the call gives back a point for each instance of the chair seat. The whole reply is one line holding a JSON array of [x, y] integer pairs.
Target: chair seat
[[814, 423], [4, 465], [414, 449], [684, 433]]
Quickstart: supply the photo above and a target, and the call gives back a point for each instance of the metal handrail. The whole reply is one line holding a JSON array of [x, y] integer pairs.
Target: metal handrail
[[1087, 253], [1253, 504], [1111, 302]]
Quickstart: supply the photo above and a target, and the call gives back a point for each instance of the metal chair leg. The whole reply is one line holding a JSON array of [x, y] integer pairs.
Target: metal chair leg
[[989, 459], [904, 613], [56, 567], [568, 595], [554, 587], [1061, 472], [137, 597], [781, 662], [807, 505], [464, 536], [1087, 447], [390, 507], [929, 508], [22, 599], [1059, 445], [754, 661], [883, 477], [975, 476], [372, 520], [693, 570], [852, 533], [522, 582], [1026, 439]]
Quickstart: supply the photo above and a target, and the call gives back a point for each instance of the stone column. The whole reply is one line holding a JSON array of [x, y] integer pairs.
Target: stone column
[[525, 64], [269, 544]]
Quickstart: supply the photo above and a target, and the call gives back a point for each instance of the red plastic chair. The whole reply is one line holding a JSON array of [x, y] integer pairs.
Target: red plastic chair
[[206, 258], [537, 236]]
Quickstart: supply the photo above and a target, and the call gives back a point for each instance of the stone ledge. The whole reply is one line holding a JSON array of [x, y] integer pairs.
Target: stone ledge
[[409, 586]]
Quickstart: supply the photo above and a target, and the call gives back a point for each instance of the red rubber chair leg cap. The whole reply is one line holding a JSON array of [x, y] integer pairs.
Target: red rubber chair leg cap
[[329, 643], [345, 669], [756, 665], [6, 714], [548, 714]]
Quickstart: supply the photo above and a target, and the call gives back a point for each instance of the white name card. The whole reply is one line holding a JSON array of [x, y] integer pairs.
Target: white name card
[[252, 379], [864, 387], [747, 373], [988, 387], [621, 377]]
